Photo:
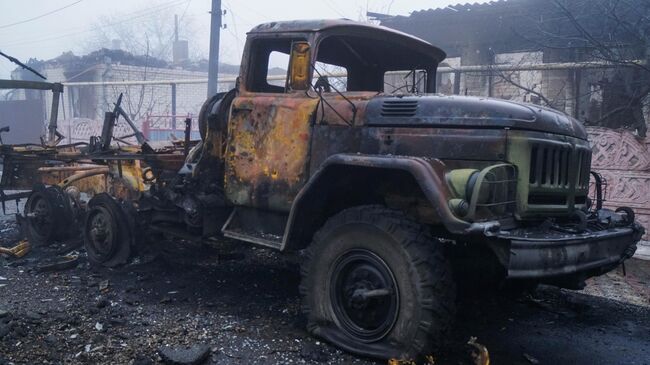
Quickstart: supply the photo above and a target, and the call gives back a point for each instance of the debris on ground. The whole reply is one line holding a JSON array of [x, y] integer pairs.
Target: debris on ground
[[428, 360], [181, 355], [103, 286], [59, 263], [248, 311], [479, 353], [531, 359], [18, 251], [311, 352], [401, 362]]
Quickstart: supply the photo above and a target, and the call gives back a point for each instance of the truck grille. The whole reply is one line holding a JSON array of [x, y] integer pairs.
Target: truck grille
[[552, 166], [399, 108]]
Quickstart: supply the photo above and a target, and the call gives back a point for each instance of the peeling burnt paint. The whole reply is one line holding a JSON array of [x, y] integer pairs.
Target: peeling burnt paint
[[268, 150], [71, 165]]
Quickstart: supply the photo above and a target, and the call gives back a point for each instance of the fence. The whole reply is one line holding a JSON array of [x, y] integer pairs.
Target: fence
[[624, 162], [161, 106], [575, 88], [579, 89]]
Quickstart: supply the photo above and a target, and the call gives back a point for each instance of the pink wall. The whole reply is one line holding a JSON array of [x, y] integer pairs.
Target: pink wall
[[624, 161]]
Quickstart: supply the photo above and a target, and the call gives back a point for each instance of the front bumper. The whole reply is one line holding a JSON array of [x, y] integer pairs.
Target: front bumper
[[551, 254]]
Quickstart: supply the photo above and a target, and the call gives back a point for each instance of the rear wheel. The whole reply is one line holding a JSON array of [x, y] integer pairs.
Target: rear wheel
[[49, 215], [108, 235], [377, 285]]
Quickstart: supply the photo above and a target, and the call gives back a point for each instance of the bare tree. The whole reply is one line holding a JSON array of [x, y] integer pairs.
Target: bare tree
[[151, 32], [147, 37], [616, 32]]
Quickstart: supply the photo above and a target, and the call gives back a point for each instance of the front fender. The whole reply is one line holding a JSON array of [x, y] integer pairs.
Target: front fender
[[428, 173]]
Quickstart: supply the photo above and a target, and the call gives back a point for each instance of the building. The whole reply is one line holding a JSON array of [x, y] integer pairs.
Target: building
[[541, 31], [95, 81]]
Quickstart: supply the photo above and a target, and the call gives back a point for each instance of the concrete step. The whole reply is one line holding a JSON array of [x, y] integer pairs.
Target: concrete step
[[643, 251]]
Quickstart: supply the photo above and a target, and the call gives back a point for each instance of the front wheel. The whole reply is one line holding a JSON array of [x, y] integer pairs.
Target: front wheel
[[375, 284]]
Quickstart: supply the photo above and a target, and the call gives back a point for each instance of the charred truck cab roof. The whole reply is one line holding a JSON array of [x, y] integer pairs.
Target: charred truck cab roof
[[364, 49], [324, 28]]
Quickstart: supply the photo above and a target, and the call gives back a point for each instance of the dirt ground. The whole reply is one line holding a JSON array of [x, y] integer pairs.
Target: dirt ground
[[243, 303]]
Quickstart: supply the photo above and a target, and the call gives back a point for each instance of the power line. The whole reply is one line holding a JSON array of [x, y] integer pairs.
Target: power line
[[40, 16], [137, 14], [252, 10], [141, 14], [234, 23], [145, 11], [333, 8]]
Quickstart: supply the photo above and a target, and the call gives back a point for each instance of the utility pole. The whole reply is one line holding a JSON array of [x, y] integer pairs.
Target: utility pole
[[175, 27], [174, 85], [213, 64]]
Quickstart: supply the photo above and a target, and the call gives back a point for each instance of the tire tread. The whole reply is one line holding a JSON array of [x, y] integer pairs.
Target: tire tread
[[426, 259]]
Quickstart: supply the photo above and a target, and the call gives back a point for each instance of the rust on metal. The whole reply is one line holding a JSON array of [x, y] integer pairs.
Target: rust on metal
[[18, 251], [268, 149]]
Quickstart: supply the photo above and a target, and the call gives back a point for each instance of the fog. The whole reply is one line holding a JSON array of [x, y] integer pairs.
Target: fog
[[44, 29]]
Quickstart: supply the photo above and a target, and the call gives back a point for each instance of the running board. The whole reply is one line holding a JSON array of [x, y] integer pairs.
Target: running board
[[260, 227]]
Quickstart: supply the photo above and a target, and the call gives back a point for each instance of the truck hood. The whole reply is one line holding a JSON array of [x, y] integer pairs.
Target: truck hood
[[468, 112]]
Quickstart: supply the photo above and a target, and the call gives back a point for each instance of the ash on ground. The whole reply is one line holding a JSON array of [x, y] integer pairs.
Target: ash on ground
[[232, 303]]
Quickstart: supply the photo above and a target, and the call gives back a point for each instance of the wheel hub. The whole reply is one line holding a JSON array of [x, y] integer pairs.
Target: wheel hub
[[364, 295], [39, 215], [102, 232]]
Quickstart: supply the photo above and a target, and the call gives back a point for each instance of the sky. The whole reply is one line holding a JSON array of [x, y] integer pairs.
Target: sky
[[44, 29]]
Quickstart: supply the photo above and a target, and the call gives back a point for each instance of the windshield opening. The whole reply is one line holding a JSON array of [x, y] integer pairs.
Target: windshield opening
[[374, 64]]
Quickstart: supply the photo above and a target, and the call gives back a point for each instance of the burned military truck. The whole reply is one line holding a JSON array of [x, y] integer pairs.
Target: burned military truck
[[391, 192]]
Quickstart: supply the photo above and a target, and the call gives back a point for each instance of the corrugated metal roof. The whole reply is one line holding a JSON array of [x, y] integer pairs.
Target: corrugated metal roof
[[460, 7]]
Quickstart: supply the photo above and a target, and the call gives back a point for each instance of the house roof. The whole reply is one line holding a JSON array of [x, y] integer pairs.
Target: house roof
[[459, 8], [512, 25]]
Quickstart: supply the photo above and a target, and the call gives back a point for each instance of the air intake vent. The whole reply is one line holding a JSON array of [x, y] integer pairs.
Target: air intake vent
[[399, 108], [551, 166]]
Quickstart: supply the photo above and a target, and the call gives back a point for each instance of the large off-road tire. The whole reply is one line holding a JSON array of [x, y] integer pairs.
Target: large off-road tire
[[108, 232], [377, 285], [49, 215]]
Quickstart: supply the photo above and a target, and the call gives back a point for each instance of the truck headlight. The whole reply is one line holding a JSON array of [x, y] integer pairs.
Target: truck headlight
[[485, 193], [461, 181]]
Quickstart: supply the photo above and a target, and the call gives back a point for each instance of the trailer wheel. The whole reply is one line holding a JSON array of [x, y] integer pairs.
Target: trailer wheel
[[107, 233], [49, 215], [375, 284]]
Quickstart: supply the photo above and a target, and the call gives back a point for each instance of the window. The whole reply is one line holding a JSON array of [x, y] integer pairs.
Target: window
[[330, 78], [367, 60], [405, 81], [269, 65], [276, 74]]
